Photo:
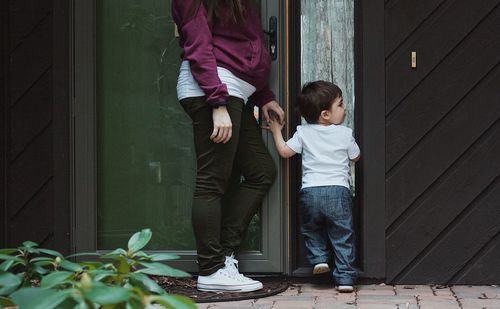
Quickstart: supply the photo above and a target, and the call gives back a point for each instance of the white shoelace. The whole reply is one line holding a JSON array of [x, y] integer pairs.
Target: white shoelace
[[232, 265]]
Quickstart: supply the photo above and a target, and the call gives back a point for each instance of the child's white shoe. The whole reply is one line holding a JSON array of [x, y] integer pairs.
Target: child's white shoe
[[321, 268], [345, 288]]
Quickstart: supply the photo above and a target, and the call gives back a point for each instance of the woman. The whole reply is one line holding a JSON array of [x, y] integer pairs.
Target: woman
[[225, 65]]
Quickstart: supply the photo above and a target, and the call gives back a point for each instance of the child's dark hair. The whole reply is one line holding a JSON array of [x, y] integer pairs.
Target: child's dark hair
[[316, 97]]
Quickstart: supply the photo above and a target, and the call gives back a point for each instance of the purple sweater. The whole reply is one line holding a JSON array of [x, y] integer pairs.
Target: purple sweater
[[240, 48]]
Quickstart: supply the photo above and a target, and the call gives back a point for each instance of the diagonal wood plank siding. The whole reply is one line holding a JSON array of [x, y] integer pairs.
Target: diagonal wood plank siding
[[35, 122], [442, 142]]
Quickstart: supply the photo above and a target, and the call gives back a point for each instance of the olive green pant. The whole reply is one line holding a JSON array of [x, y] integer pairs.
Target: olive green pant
[[224, 202]]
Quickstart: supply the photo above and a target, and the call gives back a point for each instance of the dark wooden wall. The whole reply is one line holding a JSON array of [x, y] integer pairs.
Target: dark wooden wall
[[443, 141], [35, 123]]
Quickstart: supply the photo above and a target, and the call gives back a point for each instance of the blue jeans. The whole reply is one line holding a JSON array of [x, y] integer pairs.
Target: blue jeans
[[327, 217]]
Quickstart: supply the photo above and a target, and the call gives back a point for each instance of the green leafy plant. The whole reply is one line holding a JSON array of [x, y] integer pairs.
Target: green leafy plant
[[119, 281], [27, 262]]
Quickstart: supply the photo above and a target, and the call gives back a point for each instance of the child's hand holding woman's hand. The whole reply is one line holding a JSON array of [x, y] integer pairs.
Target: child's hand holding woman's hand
[[273, 108], [275, 125]]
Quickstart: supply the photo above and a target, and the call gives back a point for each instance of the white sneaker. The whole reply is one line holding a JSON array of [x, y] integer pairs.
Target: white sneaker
[[227, 279], [345, 288], [321, 268]]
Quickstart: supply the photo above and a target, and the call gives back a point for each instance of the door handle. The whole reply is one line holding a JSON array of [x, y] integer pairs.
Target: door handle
[[273, 37]]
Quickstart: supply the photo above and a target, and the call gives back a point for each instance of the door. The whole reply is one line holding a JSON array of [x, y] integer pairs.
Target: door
[[133, 153]]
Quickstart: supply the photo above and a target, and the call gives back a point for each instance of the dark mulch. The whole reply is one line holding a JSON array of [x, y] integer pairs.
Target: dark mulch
[[187, 287]]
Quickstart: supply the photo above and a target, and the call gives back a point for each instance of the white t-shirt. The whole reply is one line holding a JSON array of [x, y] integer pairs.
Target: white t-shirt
[[187, 86], [326, 151]]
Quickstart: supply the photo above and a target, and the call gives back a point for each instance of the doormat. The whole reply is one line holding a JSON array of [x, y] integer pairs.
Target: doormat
[[187, 287]]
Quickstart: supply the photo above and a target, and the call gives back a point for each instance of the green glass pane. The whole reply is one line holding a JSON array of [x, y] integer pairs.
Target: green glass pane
[[145, 153]]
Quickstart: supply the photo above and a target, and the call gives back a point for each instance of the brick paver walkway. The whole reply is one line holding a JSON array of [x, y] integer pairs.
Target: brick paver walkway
[[300, 296]]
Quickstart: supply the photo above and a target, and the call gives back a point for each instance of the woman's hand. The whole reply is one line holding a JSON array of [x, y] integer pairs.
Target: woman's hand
[[275, 108], [223, 127]]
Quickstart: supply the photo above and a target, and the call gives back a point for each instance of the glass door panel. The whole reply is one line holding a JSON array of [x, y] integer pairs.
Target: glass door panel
[[145, 154]]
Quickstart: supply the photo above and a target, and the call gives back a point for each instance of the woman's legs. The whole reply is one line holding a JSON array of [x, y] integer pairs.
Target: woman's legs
[[214, 166], [219, 227]]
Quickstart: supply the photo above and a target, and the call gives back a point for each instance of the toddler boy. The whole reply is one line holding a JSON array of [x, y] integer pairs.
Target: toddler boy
[[325, 197]]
